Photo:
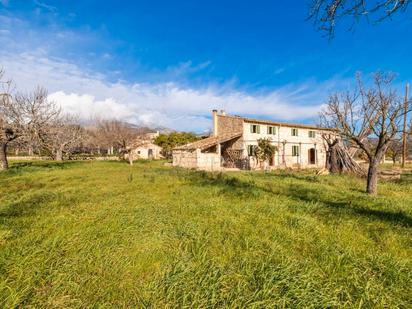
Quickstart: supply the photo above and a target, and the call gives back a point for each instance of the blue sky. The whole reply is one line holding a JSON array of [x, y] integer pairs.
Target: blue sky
[[170, 62]]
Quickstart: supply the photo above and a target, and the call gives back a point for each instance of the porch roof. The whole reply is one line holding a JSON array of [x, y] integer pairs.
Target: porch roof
[[209, 141]]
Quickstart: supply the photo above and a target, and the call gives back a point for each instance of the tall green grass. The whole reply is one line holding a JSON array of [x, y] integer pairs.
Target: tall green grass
[[105, 234]]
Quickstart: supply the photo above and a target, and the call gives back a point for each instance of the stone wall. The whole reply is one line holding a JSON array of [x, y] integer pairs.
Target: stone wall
[[185, 158], [230, 124], [197, 160], [142, 152], [208, 161]]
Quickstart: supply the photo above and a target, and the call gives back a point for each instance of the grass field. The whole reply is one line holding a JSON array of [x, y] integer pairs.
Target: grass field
[[104, 234]]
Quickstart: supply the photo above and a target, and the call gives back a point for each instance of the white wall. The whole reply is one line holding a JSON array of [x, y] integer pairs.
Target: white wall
[[143, 152], [284, 138]]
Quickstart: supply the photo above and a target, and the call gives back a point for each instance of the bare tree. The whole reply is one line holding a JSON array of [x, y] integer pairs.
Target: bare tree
[[23, 116], [326, 13], [10, 120], [63, 136], [117, 134], [367, 114], [395, 151], [38, 114], [340, 155]]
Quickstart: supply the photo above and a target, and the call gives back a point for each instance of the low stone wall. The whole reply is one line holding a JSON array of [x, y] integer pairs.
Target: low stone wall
[[186, 159], [197, 160], [26, 158], [208, 161]]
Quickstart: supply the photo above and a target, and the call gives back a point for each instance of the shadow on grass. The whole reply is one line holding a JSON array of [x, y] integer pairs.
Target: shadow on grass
[[27, 206], [351, 206], [236, 187], [17, 168], [229, 185], [406, 179]]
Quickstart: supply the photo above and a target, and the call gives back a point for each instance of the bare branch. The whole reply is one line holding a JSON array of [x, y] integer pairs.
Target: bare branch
[[327, 13]]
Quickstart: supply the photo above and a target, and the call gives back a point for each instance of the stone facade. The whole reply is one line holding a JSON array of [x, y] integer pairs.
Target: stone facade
[[197, 159], [147, 151], [144, 148], [230, 124], [297, 145]]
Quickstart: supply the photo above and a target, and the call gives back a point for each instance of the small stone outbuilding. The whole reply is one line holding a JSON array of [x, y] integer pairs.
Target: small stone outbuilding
[[204, 154], [146, 151], [144, 147]]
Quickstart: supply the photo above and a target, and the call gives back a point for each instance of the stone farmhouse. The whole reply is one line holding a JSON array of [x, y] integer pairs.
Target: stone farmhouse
[[235, 139], [144, 148]]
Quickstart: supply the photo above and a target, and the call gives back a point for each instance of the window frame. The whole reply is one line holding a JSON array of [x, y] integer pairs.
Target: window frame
[[251, 150], [271, 128], [312, 134], [294, 130], [295, 151], [257, 126]]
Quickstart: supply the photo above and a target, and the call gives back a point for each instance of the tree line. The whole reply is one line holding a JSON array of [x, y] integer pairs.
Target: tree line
[[31, 124]]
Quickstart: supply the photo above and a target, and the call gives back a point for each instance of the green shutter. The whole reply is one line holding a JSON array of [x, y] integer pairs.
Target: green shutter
[[295, 151], [258, 129]]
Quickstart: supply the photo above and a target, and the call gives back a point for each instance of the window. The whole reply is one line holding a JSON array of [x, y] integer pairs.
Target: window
[[255, 128], [271, 130], [251, 150], [295, 151], [294, 132], [312, 134]]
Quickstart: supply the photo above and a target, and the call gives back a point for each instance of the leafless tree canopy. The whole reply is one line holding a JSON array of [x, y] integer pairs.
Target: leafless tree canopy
[[11, 119], [63, 136], [395, 151], [37, 113], [369, 118], [114, 133], [327, 13], [24, 116]]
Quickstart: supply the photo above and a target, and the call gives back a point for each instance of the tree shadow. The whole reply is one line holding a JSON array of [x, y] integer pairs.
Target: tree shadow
[[406, 179], [228, 185], [26, 207], [237, 187], [17, 168], [351, 206]]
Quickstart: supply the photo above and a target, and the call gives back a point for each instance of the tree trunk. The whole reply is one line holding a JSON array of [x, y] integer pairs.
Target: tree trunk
[[130, 158], [334, 165], [59, 155], [372, 182], [4, 164]]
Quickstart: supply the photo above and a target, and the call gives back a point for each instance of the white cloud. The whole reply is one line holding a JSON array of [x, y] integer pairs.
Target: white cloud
[[169, 104], [28, 59], [45, 6]]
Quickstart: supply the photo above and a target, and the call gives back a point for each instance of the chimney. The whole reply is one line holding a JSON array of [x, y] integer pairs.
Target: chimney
[[214, 114]]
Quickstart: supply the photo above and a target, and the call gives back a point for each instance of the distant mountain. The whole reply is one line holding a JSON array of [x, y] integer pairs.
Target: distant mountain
[[145, 129]]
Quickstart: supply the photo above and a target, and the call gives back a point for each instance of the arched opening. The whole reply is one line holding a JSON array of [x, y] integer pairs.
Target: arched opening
[[312, 156], [274, 160]]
